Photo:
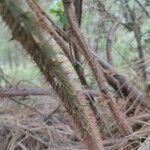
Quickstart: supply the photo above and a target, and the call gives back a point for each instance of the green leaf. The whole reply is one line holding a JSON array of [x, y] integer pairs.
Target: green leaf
[[59, 4], [53, 11]]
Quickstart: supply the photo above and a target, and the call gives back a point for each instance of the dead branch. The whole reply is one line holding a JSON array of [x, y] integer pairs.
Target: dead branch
[[23, 92], [26, 30], [96, 68], [120, 83], [48, 26], [76, 62], [13, 92], [114, 79]]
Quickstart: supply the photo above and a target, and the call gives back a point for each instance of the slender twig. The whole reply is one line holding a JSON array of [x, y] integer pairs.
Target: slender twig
[[13, 92], [98, 73], [109, 42], [143, 8]]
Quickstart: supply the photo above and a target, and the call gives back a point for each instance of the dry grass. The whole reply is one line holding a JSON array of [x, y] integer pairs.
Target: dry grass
[[46, 126], [24, 129], [37, 123]]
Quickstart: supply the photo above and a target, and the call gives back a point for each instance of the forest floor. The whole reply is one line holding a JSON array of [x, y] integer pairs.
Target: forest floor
[[41, 126]]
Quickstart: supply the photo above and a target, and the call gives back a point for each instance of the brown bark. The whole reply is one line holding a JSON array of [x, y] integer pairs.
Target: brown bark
[[117, 81], [25, 29], [78, 10], [96, 68], [43, 22], [46, 27], [123, 86], [24, 92], [12, 92], [77, 64]]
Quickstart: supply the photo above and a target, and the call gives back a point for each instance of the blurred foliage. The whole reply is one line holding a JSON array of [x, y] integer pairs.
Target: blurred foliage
[[95, 25], [58, 11]]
